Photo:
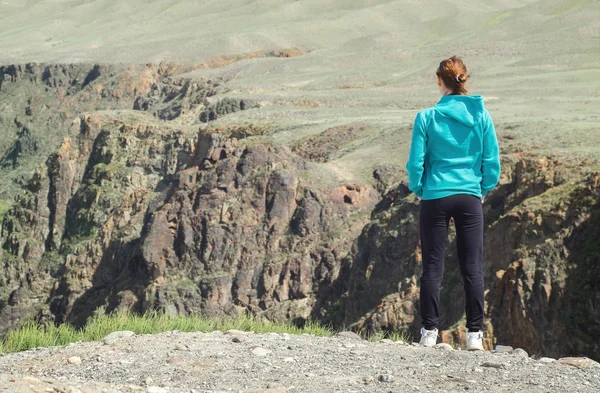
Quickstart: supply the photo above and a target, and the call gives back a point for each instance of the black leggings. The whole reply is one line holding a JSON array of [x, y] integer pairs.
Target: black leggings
[[468, 218]]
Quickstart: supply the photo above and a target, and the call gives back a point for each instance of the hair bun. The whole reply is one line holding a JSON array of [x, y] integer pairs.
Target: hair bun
[[454, 74]]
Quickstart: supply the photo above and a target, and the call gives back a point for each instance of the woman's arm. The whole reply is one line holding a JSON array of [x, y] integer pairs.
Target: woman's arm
[[490, 163], [416, 160]]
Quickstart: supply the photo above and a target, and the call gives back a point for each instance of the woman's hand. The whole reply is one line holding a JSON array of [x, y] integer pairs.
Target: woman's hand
[[483, 199]]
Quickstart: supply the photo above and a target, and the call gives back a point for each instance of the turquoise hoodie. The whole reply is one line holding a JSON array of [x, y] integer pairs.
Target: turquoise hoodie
[[454, 149]]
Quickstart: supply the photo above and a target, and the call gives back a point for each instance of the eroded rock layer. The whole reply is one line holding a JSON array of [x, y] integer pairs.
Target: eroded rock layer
[[150, 209]]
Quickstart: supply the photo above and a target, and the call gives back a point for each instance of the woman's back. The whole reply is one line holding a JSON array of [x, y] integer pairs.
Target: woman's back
[[455, 135]]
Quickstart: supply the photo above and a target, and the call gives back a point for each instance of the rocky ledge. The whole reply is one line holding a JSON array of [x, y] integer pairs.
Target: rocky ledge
[[236, 361]]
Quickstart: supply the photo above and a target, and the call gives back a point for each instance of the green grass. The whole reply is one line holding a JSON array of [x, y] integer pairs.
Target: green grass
[[33, 336], [403, 336], [4, 208]]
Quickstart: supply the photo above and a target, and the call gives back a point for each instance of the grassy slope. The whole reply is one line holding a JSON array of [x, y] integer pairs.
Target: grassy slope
[[365, 61]]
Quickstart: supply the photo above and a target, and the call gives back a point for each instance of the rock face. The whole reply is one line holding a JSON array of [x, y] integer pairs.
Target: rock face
[[134, 211], [139, 217], [542, 271], [81, 210], [331, 143], [39, 102]]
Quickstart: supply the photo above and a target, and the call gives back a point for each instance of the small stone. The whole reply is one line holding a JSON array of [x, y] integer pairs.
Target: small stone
[[288, 359], [113, 337], [444, 346], [386, 378], [236, 340], [175, 359], [520, 353], [580, 362], [156, 389], [349, 334], [546, 360], [477, 369], [149, 381], [348, 345], [260, 351], [368, 379], [74, 360], [181, 347], [494, 365], [503, 349], [386, 341], [217, 154], [272, 387]]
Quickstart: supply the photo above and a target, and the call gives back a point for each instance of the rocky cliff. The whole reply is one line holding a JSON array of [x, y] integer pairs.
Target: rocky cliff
[[541, 253], [153, 208]]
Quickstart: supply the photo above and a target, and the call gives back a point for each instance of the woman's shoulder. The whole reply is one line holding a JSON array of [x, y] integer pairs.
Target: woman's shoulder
[[424, 116], [425, 113]]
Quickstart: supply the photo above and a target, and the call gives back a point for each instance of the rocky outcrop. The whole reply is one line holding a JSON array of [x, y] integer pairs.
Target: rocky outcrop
[[82, 207], [225, 107], [242, 232], [331, 143], [379, 284], [546, 298], [172, 97], [542, 274], [139, 217], [137, 210], [39, 102]]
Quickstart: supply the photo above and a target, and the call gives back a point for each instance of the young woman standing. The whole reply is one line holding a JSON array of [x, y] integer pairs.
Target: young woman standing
[[453, 163]]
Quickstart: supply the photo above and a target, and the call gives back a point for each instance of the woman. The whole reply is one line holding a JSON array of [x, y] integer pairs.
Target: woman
[[453, 163]]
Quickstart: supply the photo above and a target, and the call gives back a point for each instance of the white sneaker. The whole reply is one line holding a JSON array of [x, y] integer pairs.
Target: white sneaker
[[474, 341], [428, 337]]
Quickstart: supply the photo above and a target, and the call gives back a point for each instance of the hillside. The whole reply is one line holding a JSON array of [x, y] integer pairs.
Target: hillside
[[203, 158]]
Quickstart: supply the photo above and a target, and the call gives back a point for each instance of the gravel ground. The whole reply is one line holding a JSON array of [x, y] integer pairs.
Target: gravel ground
[[236, 361]]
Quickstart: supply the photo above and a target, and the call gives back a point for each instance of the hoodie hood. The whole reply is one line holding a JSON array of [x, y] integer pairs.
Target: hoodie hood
[[464, 109]]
